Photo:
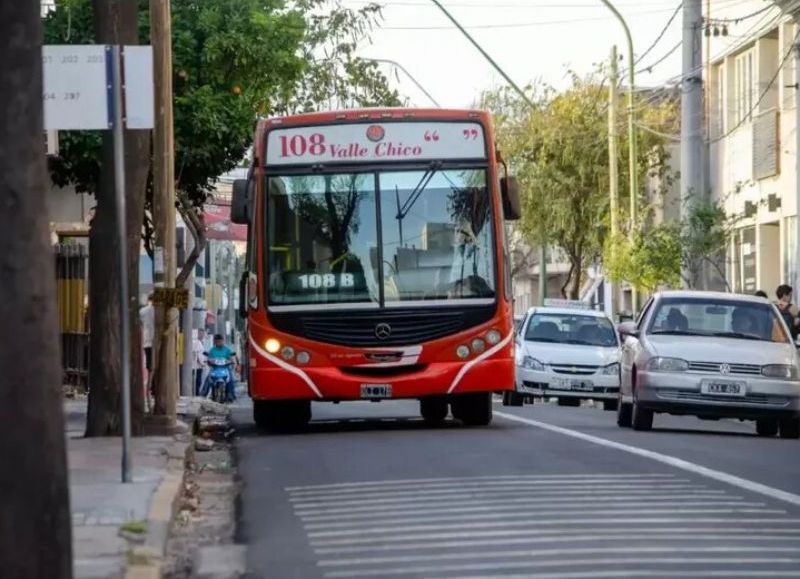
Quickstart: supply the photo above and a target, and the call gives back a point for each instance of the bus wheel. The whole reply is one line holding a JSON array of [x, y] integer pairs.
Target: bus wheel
[[474, 409], [281, 415], [433, 409]]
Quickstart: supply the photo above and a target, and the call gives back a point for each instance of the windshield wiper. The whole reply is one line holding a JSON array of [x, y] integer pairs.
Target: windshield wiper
[[678, 333], [740, 336], [415, 194], [549, 340]]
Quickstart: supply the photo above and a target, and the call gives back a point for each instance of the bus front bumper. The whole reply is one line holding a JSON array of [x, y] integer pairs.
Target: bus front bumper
[[332, 383]]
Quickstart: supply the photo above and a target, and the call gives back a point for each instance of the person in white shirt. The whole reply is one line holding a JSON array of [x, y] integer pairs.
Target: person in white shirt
[[148, 320], [197, 350]]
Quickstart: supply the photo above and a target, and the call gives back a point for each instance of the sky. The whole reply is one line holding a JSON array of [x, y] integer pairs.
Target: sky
[[530, 39]]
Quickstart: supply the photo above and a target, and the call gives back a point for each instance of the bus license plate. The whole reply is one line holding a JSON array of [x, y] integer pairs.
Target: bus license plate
[[376, 391]]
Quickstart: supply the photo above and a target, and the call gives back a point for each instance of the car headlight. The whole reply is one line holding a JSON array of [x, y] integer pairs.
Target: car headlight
[[667, 365], [783, 371], [611, 369], [532, 364]]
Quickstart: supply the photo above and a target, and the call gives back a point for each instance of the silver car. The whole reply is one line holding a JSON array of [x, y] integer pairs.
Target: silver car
[[711, 355]]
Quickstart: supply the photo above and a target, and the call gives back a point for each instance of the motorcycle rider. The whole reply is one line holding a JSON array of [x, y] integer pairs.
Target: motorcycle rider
[[221, 350]]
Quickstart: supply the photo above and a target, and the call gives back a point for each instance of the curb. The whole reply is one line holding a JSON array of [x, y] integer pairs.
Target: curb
[[144, 561]]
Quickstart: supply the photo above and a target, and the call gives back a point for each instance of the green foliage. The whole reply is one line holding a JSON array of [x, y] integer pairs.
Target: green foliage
[[234, 60], [661, 255], [559, 151]]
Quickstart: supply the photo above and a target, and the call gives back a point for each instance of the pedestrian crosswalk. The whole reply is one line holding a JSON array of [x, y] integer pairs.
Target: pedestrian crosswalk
[[568, 526]]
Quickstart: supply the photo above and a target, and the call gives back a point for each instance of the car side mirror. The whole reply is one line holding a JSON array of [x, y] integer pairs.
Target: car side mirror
[[509, 190], [627, 329], [240, 202]]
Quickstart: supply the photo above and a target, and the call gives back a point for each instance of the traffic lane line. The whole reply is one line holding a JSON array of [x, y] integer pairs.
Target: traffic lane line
[[679, 463]]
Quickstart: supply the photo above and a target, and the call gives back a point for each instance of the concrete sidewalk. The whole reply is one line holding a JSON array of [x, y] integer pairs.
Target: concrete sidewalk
[[115, 525]]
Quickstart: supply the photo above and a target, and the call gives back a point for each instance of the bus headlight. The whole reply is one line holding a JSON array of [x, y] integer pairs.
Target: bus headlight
[[493, 337], [272, 346], [462, 352], [287, 353], [478, 345], [303, 358]]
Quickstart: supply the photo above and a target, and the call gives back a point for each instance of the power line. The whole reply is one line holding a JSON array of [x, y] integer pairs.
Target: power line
[[669, 53], [660, 34], [755, 105]]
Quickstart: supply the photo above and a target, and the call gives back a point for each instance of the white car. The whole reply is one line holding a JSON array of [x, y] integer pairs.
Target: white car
[[712, 355], [568, 354]]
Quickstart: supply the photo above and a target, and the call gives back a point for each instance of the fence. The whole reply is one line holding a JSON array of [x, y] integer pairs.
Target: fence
[[72, 276]]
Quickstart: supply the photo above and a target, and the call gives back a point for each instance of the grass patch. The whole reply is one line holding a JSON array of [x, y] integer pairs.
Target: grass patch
[[134, 527]]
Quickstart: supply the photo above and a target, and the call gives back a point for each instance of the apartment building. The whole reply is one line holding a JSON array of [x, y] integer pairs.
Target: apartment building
[[752, 124]]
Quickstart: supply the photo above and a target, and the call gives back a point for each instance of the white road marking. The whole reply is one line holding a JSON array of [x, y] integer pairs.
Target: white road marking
[[420, 481], [534, 515], [675, 462], [593, 562], [638, 573], [468, 496], [685, 529], [368, 530], [499, 482], [571, 538], [568, 554], [574, 503], [493, 487]]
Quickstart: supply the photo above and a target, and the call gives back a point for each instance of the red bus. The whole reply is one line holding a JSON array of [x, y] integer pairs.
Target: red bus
[[377, 265]]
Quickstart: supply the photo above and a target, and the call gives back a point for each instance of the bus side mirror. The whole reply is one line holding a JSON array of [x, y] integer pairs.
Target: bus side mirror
[[509, 189], [240, 203]]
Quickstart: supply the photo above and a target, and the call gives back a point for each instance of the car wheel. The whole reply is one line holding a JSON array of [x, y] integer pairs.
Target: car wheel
[[569, 402], [610, 404], [641, 418], [472, 409], [789, 428], [766, 427], [433, 409], [511, 398]]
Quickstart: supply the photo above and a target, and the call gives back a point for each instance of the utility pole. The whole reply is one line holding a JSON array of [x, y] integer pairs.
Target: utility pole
[[796, 260], [542, 273], [187, 382], [35, 522], [691, 111], [613, 171], [166, 374]]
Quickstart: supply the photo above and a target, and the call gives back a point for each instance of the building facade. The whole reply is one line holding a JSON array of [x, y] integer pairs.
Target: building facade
[[752, 127]]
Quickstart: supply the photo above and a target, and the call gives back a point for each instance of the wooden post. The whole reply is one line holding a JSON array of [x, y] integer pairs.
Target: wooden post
[[166, 318]]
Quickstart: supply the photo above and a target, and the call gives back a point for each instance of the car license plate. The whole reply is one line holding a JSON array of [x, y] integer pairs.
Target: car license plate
[[376, 391], [722, 388], [565, 384]]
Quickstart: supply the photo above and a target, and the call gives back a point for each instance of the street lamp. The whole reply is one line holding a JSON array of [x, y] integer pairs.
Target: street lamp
[[408, 74], [632, 152]]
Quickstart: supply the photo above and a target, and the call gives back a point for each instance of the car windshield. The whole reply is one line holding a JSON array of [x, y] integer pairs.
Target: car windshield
[[724, 318], [422, 235], [571, 329]]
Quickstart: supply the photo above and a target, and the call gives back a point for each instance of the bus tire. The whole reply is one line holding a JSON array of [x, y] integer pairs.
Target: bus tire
[[789, 428], [473, 409], [610, 404], [766, 427], [433, 409]]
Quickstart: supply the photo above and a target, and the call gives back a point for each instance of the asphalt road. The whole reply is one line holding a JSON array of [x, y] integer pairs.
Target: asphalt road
[[545, 491]]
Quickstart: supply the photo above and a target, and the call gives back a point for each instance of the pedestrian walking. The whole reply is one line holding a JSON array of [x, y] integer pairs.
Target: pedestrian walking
[[148, 320], [197, 359], [788, 310]]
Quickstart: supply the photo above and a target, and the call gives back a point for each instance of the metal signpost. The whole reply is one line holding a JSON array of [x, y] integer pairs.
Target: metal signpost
[[84, 89]]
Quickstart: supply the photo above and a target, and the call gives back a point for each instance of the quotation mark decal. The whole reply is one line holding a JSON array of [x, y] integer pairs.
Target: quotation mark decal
[[470, 134], [431, 135]]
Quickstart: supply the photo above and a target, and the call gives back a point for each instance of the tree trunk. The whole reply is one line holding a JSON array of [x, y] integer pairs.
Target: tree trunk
[[116, 22], [35, 524]]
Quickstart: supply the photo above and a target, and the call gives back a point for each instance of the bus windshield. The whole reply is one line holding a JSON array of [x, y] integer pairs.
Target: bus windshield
[[385, 238]]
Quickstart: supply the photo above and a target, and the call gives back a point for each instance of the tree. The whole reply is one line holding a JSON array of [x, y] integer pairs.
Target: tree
[[559, 151], [667, 254], [35, 522]]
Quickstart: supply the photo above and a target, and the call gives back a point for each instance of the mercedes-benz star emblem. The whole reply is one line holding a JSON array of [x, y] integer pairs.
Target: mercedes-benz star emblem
[[383, 331], [724, 369]]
